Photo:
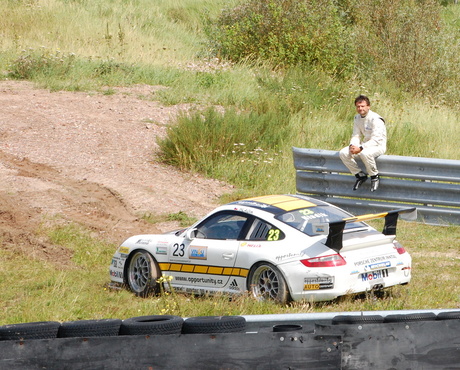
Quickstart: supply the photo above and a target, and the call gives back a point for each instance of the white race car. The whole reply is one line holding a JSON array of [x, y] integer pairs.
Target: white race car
[[278, 247]]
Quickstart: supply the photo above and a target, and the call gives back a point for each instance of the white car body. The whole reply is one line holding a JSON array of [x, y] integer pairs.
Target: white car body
[[261, 245]]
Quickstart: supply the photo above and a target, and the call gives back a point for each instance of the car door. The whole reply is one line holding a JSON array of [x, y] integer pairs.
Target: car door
[[206, 262]]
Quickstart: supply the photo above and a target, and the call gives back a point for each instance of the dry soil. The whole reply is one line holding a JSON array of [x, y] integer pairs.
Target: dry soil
[[88, 158]]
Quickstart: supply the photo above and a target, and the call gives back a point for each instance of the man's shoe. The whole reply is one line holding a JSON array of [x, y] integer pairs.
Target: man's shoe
[[359, 181], [375, 181]]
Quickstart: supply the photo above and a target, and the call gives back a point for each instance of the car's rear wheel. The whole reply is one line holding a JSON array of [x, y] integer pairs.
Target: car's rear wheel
[[266, 282], [143, 273]]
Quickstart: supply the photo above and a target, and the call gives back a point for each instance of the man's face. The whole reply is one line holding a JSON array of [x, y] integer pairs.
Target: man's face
[[362, 108]]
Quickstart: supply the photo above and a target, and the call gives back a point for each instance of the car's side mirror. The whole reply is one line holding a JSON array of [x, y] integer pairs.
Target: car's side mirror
[[190, 234]]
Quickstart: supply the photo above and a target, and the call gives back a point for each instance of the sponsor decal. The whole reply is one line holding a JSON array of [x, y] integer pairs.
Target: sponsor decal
[[244, 209], [116, 274], [313, 216], [372, 260], [123, 250], [161, 250], [117, 262], [198, 253], [380, 274], [143, 241], [234, 285], [379, 266], [250, 245], [318, 283], [253, 204], [287, 255], [199, 280]]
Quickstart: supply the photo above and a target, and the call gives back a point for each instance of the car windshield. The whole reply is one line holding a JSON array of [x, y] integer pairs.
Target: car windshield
[[302, 219]]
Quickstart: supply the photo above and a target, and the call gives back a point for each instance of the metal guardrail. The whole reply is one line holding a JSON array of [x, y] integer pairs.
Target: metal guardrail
[[432, 185]]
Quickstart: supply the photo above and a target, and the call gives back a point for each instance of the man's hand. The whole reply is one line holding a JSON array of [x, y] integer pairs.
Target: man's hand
[[354, 149]]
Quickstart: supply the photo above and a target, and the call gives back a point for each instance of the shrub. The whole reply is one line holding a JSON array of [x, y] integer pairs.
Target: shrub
[[286, 32], [400, 39]]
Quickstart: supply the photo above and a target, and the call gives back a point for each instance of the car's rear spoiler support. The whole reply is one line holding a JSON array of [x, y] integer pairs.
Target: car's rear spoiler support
[[334, 230]]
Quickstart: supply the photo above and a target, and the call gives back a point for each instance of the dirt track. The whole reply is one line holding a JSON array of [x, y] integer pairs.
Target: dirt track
[[90, 159]]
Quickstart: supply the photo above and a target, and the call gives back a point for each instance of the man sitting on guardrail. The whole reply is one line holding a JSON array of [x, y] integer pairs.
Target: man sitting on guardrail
[[369, 140]]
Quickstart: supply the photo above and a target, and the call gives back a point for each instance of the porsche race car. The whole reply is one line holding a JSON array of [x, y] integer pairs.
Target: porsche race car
[[279, 247]]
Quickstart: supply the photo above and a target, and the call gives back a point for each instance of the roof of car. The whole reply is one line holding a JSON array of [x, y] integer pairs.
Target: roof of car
[[278, 204]]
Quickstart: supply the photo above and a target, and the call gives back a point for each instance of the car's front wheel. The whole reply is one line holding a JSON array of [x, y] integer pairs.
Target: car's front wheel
[[266, 282], [143, 273]]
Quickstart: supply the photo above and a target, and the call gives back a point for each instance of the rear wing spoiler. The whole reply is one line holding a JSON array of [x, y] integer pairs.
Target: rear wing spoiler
[[334, 230]]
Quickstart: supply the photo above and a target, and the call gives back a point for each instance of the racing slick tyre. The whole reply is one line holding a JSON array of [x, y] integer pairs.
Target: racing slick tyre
[[143, 273], [151, 325], [357, 319], [266, 282], [90, 328], [422, 316], [214, 324], [448, 315], [30, 330]]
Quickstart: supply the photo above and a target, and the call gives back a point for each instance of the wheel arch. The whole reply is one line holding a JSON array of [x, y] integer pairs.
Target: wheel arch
[[130, 257], [266, 262]]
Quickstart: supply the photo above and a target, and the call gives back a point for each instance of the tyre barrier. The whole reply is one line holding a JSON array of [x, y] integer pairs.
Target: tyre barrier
[[214, 324], [89, 328], [448, 315], [422, 316], [152, 325], [354, 319], [287, 327], [30, 330], [170, 324], [331, 341]]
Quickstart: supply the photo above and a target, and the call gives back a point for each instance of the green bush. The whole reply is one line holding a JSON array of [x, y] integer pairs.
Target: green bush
[[402, 41], [44, 62], [286, 32]]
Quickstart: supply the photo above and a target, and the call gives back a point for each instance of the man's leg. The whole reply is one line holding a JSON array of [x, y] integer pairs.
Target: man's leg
[[368, 156], [350, 162]]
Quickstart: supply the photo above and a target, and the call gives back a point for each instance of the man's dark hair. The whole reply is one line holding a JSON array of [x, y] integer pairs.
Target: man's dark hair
[[362, 98]]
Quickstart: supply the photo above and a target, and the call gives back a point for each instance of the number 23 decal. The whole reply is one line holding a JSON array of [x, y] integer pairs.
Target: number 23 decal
[[179, 250], [273, 234]]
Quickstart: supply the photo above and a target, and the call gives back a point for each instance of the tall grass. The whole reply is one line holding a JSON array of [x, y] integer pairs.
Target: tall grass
[[142, 31]]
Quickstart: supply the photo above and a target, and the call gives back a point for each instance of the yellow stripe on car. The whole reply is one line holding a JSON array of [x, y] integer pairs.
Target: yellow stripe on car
[[285, 202], [208, 270]]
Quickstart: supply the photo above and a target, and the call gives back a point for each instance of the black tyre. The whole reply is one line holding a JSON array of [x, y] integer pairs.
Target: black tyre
[[31, 330], [423, 316], [266, 282], [357, 319], [152, 325], [214, 324], [90, 328], [448, 315], [142, 274]]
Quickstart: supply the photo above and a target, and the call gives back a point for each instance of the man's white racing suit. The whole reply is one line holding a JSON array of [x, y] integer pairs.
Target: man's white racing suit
[[370, 133]]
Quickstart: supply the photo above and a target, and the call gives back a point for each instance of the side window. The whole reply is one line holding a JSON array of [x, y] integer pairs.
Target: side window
[[221, 226], [261, 230]]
